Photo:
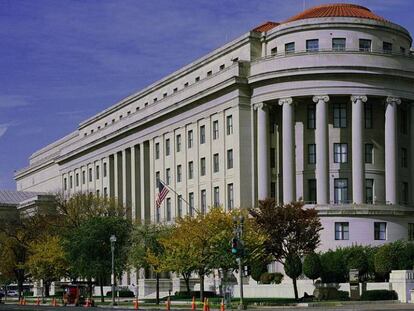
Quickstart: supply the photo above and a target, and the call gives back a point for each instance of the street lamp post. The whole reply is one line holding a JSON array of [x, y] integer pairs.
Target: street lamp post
[[238, 230], [112, 239]]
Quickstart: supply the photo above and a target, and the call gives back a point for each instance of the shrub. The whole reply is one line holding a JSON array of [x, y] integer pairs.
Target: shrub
[[312, 266], [343, 295], [379, 294], [356, 258], [293, 266], [257, 269], [27, 294], [271, 278], [124, 293], [185, 295], [334, 269]]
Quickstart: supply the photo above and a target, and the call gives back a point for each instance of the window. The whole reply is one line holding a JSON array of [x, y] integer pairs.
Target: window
[[98, 193], [157, 178], [340, 190], [105, 169], [369, 148], [90, 174], [209, 73], [216, 166], [364, 45], [230, 197], [222, 67], [338, 44], [202, 134], [272, 158], [339, 111], [404, 122], [380, 231], [190, 170], [179, 173], [229, 158], [312, 45], [164, 95], [273, 190], [387, 47], [369, 191], [178, 144], [175, 90], [312, 191], [197, 79], [273, 51], [83, 177], [404, 194], [155, 99], [402, 50], [168, 209], [77, 180], [190, 139], [97, 172], [311, 153], [216, 196], [203, 201], [229, 122], [179, 206], [410, 232], [191, 203], [167, 176], [311, 116], [290, 47], [215, 130], [158, 214], [167, 147], [203, 166], [404, 158], [157, 151], [368, 115], [65, 184], [105, 191], [342, 231], [340, 153], [71, 182]]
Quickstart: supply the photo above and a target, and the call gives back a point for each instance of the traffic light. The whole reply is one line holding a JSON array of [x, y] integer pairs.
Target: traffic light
[[234, 246]]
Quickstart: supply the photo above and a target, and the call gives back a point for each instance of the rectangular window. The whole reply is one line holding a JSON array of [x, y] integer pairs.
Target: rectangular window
[[105, 191], [312, 45], [311, 116], [273, 190], [369, 191], [215, 130], [168, 209], [90, 175], [191, 203], [229, 158], [71, 182], [179, 206], [368, 115], [229, 123], [369, 150], [404, 122], [273, 51], [338, 44], [365, 45], [190, 139], [167, 176], [216, 196], [203, 166], [190, 170], [97, 172], [312, 191], [341, 191], [157, 178], [272, 158], [380, 231], [230, 197], [404, 194], [157, 151], [216, 165], [340, 153], [77, 180], [83, 177], [404, 158], [410, 232], [105, 169], [203, 201], [290, 47], [387, 47], [202, 134], [178, 142], [402, 50], [98, 193], [179, 173], [65, 184], [311, 154], [339, 111], [167, 147], [342, 231]]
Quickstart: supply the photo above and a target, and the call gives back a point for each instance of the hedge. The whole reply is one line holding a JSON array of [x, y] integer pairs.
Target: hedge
[[122, 293], [379, 294]]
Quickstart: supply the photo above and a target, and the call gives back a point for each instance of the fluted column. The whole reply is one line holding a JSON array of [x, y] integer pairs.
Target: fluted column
[[288, 154], [322, 149], [358, 161], [391, 149], [262, 151]]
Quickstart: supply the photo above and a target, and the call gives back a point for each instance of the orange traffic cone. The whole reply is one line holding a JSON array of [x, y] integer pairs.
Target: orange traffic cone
[[168, 304], [222, 305], [54, 302], [208, 305], [193, 304], [38, 301], [24, 302], [136, 304], [205, 304], [87, 303]]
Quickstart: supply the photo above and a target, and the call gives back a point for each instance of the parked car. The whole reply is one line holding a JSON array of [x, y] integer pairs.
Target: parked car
[[12, 293], [1, 293]]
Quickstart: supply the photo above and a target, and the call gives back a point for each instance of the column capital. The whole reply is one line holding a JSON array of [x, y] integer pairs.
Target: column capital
[[258, 106], [355, 98], [318, 98], [285, 101], [393, 100]]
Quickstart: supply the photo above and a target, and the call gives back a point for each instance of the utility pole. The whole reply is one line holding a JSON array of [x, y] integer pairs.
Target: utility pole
[[112, 239], [238, 249]]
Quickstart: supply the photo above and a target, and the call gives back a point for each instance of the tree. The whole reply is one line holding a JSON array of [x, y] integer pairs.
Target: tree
[[291, 229], [293, 269], [47, 261], [334, 268], [312, 266], [146, 250], [356, 257], [88, 248]]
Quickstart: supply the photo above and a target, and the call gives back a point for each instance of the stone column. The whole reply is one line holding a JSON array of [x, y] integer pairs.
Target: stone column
[[391, 150], [358, 161], [133, 190], [322, 149], [288, 154], [116, 176], [263, 151], [411, 161]]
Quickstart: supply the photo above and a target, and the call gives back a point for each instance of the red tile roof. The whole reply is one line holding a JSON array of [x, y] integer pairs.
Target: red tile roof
[[336, 10], [265, 26]]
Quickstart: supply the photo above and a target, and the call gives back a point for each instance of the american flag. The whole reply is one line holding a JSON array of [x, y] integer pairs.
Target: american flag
[[162, 193]]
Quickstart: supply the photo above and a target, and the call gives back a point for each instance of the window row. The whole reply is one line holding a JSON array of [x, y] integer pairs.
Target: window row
[[380, 231], [77, 182], [190, 137]]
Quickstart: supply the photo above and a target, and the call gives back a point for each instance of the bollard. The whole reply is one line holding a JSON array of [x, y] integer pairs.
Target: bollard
[[168, 304], [136, 304], [193, 304], [222, 305]]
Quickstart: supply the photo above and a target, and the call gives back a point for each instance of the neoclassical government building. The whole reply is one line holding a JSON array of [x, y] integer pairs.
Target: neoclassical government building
[[317, 108]]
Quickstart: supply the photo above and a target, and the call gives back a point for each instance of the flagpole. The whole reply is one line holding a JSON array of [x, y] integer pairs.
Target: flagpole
[[175, 192]]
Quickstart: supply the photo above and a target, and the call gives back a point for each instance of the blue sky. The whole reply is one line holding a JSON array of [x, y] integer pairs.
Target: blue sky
[[61, 61]]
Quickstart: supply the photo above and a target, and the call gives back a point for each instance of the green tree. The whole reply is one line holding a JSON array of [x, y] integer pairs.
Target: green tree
[[312, 266], [356, 257], [293, 269], [334, 268]]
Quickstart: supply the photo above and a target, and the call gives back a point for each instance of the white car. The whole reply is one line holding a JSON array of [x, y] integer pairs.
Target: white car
[[12, 293]]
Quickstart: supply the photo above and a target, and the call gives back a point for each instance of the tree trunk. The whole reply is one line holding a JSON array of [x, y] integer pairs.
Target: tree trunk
[[90, 287], [201, 287], [295, 288], [47, 288], [20, 281], [157, 298], [187, 282], [102, 292]]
